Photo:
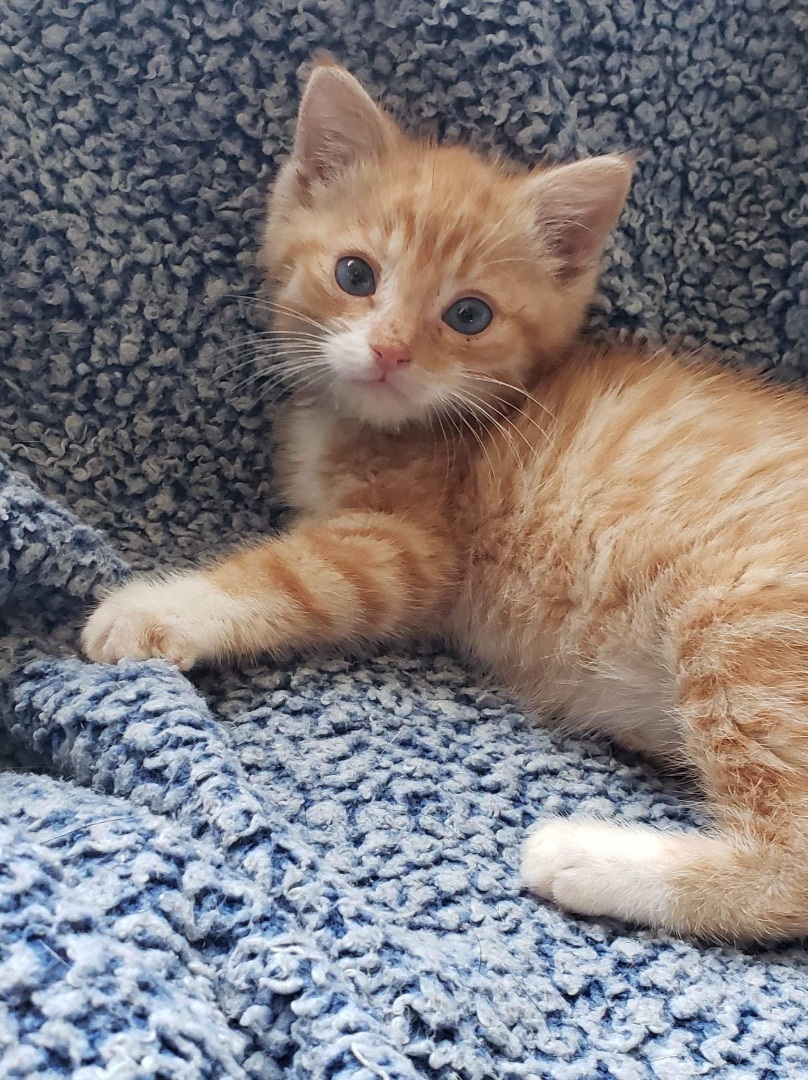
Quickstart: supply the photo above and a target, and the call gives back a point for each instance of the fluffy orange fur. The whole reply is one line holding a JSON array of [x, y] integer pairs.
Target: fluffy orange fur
[[623, 538]]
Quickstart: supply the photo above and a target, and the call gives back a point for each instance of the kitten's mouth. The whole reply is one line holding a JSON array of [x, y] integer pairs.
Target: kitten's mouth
[[380, 402], [380, 384]]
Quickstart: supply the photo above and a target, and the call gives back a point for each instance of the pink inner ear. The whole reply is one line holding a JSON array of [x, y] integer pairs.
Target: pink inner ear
[[577, 207], [338, 125]]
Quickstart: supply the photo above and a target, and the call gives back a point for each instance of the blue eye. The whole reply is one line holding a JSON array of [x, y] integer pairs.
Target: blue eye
[[468, 315], [354, 276]]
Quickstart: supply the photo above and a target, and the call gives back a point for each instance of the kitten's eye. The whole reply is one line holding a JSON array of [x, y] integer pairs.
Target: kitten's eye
[[354, 276], [468, 315]]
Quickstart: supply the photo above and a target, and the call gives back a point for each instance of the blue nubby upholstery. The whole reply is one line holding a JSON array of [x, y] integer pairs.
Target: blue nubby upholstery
[[310, 870]]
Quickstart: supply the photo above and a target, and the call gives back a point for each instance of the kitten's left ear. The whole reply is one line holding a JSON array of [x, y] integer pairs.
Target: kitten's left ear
[[338, 125], [576, 208]]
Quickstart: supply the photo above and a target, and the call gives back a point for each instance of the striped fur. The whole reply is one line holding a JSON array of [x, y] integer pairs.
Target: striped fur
[[623, 538]]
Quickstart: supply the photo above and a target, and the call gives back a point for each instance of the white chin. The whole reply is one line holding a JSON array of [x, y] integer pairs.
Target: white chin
[[376, 404]]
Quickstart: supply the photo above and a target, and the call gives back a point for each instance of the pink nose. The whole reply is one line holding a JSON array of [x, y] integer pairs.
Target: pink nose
[[389, 357]]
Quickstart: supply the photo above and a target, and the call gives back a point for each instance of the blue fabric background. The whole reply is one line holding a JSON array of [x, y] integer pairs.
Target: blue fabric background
[[311, 871]]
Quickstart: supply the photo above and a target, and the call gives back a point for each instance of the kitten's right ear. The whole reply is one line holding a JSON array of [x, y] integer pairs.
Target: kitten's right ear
[[338, 125], [576, 208]]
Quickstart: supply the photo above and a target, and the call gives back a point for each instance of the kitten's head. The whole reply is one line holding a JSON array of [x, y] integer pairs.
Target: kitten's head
[[407, 277]]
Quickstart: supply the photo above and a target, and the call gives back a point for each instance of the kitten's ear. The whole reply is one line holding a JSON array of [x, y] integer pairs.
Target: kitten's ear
[[576, 208], [338, 125]]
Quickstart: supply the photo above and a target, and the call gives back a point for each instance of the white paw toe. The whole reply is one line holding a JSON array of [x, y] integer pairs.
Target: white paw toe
[[598, 868], [553, 853], [175, 620], [138, 635]]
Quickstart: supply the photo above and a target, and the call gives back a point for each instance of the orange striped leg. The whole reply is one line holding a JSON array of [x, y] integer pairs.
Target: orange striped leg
[[353, 578]]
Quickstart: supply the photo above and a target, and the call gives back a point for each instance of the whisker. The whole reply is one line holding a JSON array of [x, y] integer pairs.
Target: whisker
[[274, 335], [515, 408], [282, 348], [509, 386], [520, 412], [281, 372], [478, 407], [269, 357], [454, 456], [282, 309], [271, 383], [280, 356], [341, 321], [286, 386], [285, 370], [437, 416], [489, 415], [464, 419]]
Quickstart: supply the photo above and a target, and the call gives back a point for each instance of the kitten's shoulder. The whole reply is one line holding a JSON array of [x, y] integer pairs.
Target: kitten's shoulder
[[631, 364], [630, 382]]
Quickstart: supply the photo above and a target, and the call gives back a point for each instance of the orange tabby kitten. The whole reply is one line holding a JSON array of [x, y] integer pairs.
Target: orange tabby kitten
[[625, 542]]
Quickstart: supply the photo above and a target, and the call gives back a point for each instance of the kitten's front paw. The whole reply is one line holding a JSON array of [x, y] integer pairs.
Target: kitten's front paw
[[177, 620], [598, 868]]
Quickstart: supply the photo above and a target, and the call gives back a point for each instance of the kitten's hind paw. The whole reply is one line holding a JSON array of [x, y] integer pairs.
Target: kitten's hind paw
[[601, 869]]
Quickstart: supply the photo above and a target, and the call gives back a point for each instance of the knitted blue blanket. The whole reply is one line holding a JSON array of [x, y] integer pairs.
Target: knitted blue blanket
[[310, 870]]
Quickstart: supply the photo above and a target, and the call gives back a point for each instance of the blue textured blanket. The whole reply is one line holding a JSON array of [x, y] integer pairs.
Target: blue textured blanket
[[310, 871]]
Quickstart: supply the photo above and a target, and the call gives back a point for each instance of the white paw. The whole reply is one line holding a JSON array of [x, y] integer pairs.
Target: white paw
[[601, 869], [179, 619]]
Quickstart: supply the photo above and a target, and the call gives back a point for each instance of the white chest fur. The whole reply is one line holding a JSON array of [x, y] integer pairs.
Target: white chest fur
[[304, 436]]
